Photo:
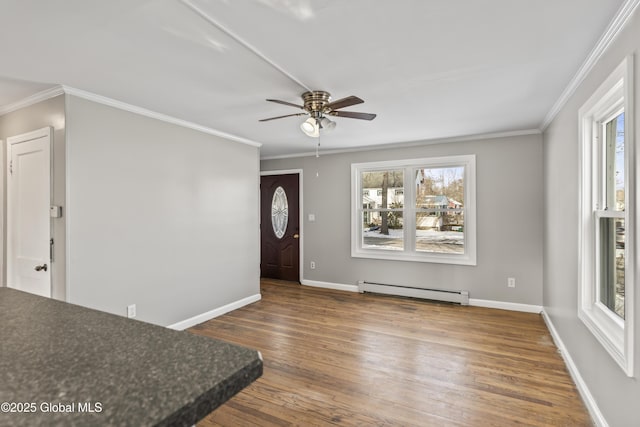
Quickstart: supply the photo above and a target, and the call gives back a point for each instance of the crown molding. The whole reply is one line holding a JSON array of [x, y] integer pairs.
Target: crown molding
[[473, 137], [155, 115], [615, 27], [32, 99], [62, 89]]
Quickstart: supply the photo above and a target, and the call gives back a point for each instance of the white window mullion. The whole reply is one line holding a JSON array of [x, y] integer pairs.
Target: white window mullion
[[409, 211]]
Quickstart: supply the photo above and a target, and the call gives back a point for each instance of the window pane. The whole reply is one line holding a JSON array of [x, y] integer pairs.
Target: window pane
[[382, 189], [440, 210], [383, 230], [442, 233], [612, 264], [440, 187], [614, 137]]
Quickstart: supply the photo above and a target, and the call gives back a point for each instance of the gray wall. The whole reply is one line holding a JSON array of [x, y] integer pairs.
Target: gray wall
[[158, 215], [616, 395], [46, 113], [509, 220]]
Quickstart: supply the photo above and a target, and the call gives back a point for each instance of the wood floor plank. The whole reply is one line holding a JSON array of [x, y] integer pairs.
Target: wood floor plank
[[341, 358]]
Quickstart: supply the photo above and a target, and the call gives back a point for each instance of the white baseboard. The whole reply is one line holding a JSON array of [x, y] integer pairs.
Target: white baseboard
[[527, 308], [192, 321], [329, 285], [587, 397], [513, 306]]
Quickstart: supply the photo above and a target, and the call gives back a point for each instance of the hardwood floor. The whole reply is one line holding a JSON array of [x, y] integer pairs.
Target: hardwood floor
[[334, 357]]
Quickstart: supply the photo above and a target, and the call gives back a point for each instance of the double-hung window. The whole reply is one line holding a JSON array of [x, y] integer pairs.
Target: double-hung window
[[607, 226], [415, 210]]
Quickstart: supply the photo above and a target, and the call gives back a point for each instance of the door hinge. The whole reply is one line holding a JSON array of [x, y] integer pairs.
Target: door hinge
[[51, 250], [10, 167]]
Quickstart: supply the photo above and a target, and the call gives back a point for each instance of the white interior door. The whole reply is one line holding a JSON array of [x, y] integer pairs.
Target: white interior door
[[28, 221]]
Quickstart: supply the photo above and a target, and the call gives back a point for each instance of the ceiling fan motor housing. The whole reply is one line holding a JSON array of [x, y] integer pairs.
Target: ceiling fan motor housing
[[315, 101]]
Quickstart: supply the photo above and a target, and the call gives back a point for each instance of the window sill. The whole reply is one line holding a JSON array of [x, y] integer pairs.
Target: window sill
[[414, 257], [609, 332]]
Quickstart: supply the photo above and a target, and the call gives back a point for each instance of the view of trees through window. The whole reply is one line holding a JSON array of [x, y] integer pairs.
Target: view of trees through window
[[439, 210], [438, 205], [383, 207], [441, 181], [612, 225]]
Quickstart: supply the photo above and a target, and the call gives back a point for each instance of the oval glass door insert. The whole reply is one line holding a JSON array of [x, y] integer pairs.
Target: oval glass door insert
[[279, 212]]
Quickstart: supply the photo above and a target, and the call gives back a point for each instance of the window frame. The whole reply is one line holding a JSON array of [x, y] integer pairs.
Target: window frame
[[409, 253], [615, 95]]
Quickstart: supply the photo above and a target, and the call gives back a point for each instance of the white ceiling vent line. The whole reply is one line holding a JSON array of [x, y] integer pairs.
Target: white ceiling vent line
[[615, 27], [243, 42]]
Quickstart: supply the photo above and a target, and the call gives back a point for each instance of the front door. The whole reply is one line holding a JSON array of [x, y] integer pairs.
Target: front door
[[280, 227], [28, 202]]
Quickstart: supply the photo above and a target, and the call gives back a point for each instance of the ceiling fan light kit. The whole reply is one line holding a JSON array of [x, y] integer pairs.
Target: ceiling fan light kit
[[327, 124], [310, 127], [317, 104]]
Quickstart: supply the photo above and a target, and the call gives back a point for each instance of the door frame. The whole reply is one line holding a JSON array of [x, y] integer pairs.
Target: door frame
[[299, 172], [3, 214], [25, 137]]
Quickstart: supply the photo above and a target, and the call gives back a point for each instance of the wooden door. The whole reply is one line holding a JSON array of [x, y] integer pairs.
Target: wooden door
[[280, 227], [28, 222]]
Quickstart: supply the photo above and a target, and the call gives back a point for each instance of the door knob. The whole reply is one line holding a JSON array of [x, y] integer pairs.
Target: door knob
[[41, 267], [295, 236]]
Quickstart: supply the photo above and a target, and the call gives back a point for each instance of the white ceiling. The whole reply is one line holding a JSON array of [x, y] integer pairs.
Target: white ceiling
[[429, 69]]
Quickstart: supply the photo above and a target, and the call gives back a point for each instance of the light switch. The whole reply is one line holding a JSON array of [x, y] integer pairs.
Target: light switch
[[55, 211], [312, 217]]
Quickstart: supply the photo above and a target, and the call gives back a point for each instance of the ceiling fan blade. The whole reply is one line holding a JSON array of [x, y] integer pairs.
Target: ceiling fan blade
[[353, 115], [286, 103], [344, 102], [282, 117]]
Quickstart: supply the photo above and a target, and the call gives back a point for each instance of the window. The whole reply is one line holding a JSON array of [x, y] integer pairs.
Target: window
[[424, 210], [607, 226]]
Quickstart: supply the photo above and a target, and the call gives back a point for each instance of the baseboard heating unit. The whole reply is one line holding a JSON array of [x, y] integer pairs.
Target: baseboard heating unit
[[461, 297]]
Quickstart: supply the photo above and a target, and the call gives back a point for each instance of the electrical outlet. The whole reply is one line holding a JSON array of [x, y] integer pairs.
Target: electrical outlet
[[313, 265], [511, 282], [131, 311]]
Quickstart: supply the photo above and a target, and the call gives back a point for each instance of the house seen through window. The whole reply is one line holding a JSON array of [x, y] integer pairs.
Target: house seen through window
[[420, 210]]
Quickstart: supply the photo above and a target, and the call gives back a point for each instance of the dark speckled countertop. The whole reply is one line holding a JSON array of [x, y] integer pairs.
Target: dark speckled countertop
[[69, 365]]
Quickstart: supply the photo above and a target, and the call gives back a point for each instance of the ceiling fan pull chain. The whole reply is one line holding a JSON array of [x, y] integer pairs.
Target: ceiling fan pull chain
[[318, 156]]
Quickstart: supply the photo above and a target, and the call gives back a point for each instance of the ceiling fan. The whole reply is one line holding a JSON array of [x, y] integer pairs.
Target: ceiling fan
[[317, 104]]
